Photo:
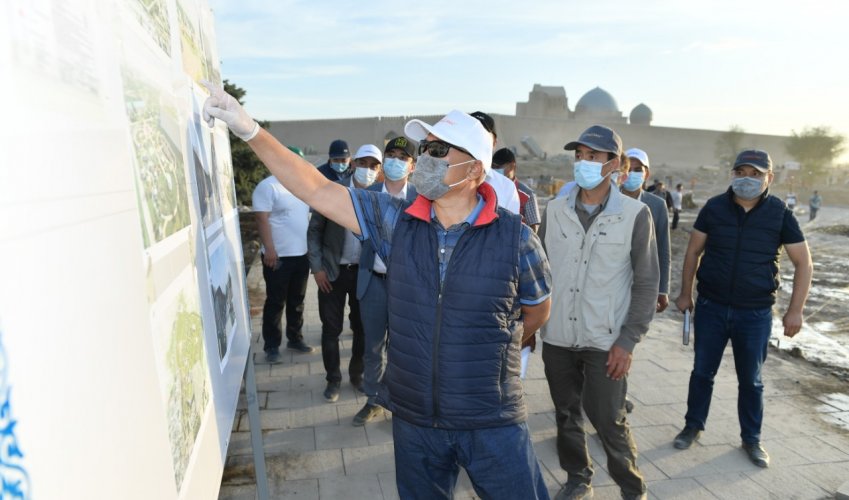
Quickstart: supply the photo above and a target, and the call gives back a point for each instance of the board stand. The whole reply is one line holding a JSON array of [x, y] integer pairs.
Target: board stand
[[256, 428]]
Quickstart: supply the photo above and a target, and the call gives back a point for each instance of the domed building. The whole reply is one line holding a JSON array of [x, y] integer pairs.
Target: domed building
[[542, 125], [641, 115], [598, 104]]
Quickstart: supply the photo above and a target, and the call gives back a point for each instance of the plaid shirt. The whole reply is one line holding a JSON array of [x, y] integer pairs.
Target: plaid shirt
[[530, 207], [378, 213]]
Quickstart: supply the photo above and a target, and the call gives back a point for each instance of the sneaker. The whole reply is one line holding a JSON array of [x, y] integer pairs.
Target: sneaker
[[685, 438], [272, 355], [629, 405], [366, 414], [331, 394], [574, 491], [300, 346], [757, 454], [634, 496]]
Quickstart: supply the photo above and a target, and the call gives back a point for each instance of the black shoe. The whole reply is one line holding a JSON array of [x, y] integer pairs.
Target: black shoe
[[685, 438], [366, 414], [331, 394], [272, 355], [574, 491], [300, 346], [634, 496], [629, 405], [757, 454], [358, 385]]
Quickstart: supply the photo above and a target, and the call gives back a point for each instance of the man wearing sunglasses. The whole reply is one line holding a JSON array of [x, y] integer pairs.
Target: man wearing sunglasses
[[465, 281], [604, 298]]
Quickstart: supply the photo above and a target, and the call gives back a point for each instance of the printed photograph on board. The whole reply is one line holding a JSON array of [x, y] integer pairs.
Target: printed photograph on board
[[181, 363], [221, 286]]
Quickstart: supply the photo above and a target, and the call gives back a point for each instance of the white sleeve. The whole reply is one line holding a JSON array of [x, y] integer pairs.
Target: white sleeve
[[505, 189], [263, 197]]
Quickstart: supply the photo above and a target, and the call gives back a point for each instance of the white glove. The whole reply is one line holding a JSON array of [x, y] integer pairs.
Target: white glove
[[226, 108]]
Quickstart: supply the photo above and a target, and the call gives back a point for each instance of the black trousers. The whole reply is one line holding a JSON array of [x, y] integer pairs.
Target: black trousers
[[675, 213], [331, 310], [285, 286]]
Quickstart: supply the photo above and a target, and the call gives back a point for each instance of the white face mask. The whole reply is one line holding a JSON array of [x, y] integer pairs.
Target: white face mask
[[365, 176]]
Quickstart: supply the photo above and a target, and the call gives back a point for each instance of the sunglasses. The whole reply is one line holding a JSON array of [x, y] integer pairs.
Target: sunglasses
[[438, 149]]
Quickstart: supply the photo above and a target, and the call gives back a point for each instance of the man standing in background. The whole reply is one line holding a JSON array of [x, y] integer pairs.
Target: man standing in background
[[334, 256], [282, 222], [398, 160], [338, 166], [677, 199]]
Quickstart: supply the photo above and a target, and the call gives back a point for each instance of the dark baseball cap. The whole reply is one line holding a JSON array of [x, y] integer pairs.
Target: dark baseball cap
[[599, 138], [756, 158], [401, 143], [338, 149], [503, 156], [487, 121]]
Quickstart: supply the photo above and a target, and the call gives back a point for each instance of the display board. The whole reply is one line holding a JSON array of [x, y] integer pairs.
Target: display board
[[124, 326]]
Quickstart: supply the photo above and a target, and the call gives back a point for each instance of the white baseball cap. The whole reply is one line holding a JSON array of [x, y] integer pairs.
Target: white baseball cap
[[369, 150], [638, 154], [459, 129]]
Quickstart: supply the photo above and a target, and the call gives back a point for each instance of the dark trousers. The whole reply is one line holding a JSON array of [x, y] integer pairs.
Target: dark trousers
[[375, 316], [749, 331], [675, 213], [577, 378], [500, 462], [331, 310], [285, 286], [813, 214]]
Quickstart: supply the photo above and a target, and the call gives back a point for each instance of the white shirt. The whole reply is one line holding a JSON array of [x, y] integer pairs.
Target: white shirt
[[352, 247], [676, 199], [288, 217], [505, 190]]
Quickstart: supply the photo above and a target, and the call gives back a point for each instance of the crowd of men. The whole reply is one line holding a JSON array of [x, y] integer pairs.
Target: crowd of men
[[449, 271]]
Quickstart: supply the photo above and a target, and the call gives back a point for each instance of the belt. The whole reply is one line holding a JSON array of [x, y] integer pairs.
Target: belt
[[379, 275], [349, 266]]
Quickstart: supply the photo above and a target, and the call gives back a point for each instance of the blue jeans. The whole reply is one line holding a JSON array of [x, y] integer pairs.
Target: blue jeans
[[749, 331], [500, 462]]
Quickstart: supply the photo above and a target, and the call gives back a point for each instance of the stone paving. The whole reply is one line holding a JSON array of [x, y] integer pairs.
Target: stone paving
[[313, 451]]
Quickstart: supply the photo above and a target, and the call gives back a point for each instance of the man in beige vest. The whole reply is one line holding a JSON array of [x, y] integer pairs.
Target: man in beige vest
[[604, 275]]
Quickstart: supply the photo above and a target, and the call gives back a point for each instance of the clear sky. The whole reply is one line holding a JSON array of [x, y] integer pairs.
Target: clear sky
[[768, 66]]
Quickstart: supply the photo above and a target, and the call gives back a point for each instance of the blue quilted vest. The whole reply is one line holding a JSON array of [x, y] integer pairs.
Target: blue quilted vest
[[740, 263], [454, 354]]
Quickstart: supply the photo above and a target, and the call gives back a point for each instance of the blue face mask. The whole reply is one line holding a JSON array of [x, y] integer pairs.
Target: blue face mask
[[395, 169], [748, 188], [339, 167], [634, 181], [588, 173], [498, 170]]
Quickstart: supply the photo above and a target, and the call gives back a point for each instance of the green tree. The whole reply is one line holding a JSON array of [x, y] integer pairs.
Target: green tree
[[247, 169], [815, 148], [728, 145]]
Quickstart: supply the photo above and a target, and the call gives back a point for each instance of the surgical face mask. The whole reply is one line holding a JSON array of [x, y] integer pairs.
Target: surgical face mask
[[395, 169], [588, 173], [748, 188], [339, 167], [365, 176], [614, 177], [634, 181], [498, 170], [428, 175]]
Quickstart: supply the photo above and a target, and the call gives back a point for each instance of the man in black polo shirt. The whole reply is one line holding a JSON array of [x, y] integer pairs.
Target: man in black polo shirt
[[738, 236]]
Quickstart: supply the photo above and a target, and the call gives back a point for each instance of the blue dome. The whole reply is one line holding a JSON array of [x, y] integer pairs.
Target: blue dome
[[641, 115], [597, 101]]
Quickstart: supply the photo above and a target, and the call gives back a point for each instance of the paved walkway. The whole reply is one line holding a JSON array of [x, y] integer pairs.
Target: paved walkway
[[313, 451]]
